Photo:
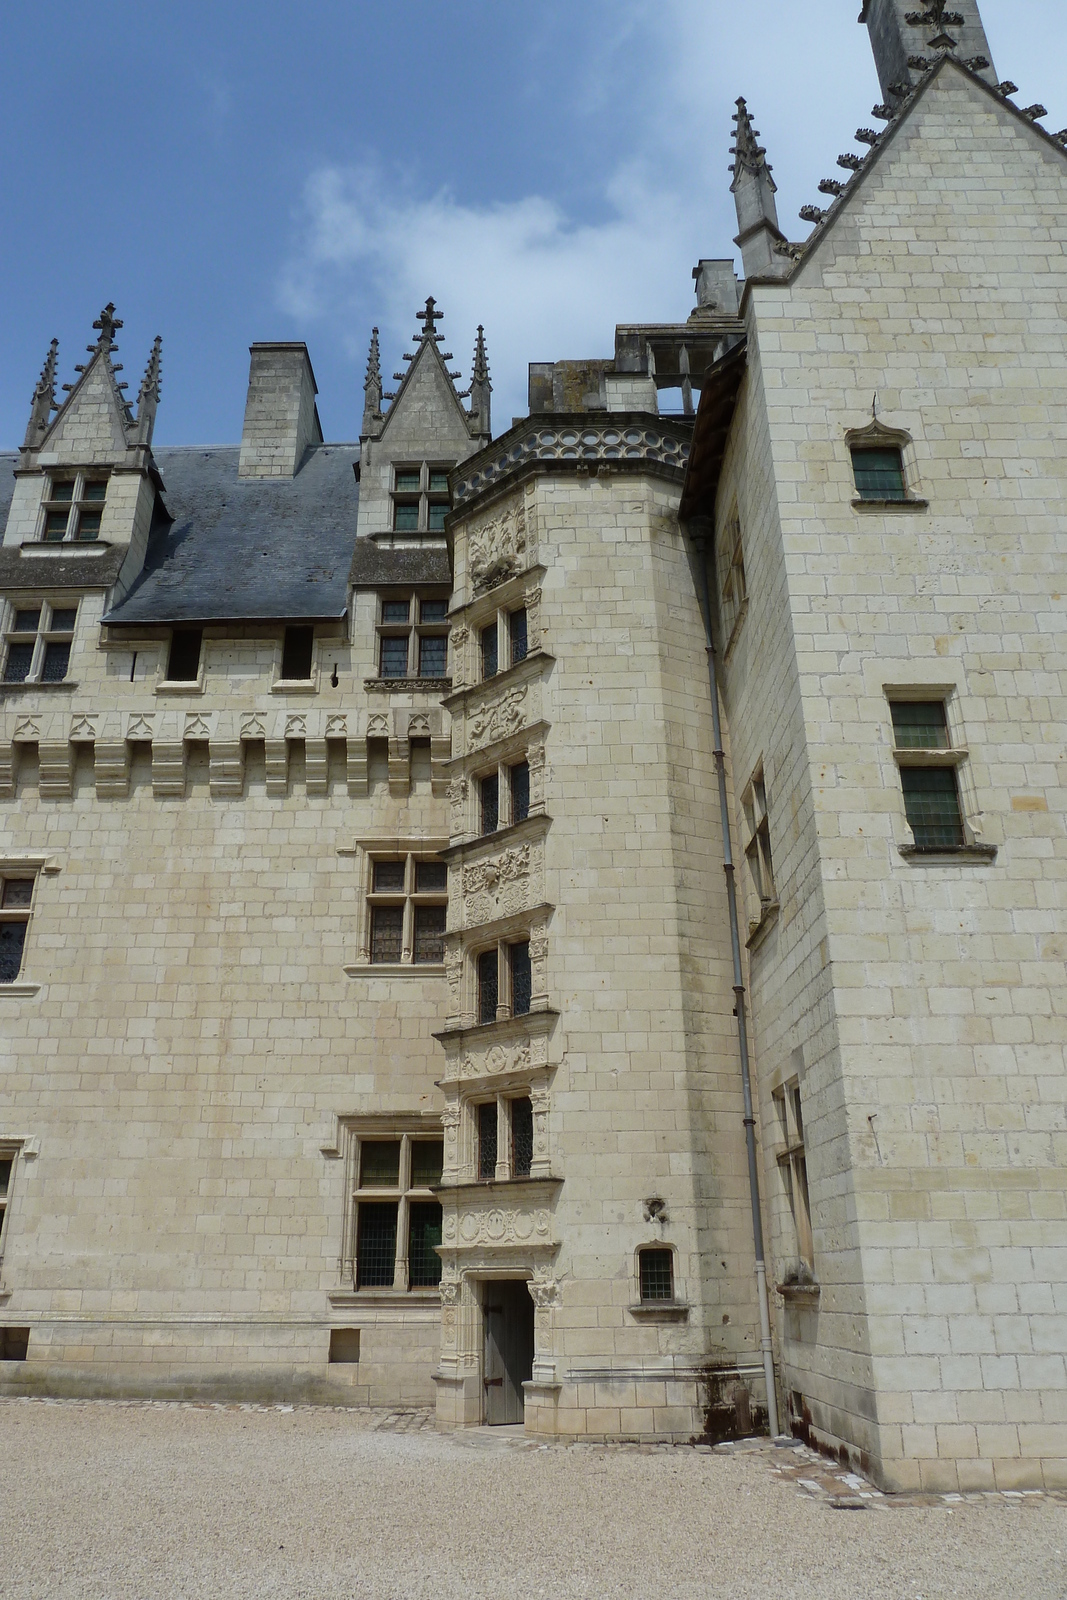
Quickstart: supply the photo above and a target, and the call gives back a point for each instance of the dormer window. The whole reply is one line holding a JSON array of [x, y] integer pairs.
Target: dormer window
[[420, 498], [73, 507]]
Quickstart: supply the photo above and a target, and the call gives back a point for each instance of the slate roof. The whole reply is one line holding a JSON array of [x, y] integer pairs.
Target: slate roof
[[374, 566], [247, 548], [8, 463]]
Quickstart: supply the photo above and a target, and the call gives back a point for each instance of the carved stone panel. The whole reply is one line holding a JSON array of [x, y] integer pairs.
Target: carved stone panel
[[499, 719], [503, 885], [496, 547]]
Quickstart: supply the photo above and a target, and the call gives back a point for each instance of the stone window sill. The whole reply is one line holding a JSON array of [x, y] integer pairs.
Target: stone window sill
[[396, 969], [30, 687], [294, 686], [19, 991], [758, 931], [909, 504], [176, 688], [63, 547], [430, 1298], [949, 855], [660, 1310], [407, 685]]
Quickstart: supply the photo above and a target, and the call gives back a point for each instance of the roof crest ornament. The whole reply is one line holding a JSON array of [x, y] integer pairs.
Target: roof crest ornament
[[107, 324], [372, 386], [43, 402], [148, 394]]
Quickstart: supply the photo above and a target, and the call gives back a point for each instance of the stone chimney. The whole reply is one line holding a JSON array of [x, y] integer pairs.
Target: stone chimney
[[909, 36], [281, 420]]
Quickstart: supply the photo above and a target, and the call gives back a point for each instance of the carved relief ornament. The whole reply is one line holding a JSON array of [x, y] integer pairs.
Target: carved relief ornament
[[496, 548]]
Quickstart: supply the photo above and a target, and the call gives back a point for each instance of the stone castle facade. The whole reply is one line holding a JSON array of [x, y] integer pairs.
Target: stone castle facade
[[378, 1023]]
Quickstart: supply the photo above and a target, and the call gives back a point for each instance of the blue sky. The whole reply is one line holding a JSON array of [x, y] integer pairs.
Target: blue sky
[[231, 171]]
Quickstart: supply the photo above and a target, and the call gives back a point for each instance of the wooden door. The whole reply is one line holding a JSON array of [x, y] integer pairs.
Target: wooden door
[[509, 1350]]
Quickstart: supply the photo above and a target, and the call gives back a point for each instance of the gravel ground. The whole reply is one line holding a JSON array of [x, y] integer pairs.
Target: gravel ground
[[107, 1499]]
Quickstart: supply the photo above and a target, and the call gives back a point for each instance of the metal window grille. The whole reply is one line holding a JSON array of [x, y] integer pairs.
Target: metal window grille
[[424, 1232], [376, 1244], [389, 877], [520, 791], [386, 933], [12, 942], [521, 978], [932, 804], [657, 1274], [56, 662], [920, 725], [433, 655], [379, 1163], [298, 653], [394, 656], [517, 629], [879, 474], [521, 1138], [487, 1141], [429, 933], [183, 663], [431, 877], [490, 662], [488, 986], [490, 793], [427, 1162], [19, 661]]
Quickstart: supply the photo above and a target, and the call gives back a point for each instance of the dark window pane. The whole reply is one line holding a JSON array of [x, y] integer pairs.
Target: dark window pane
[[657, 1274], [431, 877], [920, 725], [879, 474], [517, 630], [434, 610], [183, 665], [520, 791], [437, 518], [55, 525], [379, 1163], [395, 657], [17, 892], [408, 482], [297, 652], [427, 1162], [438, 482], [89, 524], [424, 1232], [932, 803], [388, 877], [433, 656], [429, 933], [396, 610], [489, 652], [521, 1138], [386, 933], [97, 490], [19, 661], [406, 519], [487, 1141], [56, 661], [490, 793], [488, 986], [63, 621], [521, 978], [12, 939], [27, 621], [5, 1176], [63, 489], [376, 1246]]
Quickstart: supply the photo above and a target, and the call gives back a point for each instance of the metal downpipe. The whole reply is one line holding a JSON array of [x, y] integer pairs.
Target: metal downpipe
[[700, 543]]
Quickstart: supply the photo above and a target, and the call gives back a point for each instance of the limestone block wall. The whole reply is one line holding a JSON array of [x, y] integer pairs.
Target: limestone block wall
[[185, 1037], [939, 287]]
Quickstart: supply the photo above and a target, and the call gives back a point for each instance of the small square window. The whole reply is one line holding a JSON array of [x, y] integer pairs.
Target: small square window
[[63, 620], [879, 474], [96, 490], [656, 1268], [379, 1163], [427, 1162], [431, 877], [438, 482], [408, 481], [406, 518], [396, 610], [27, 621], [389, 877], [434, 610], [62, 490], [920, 725]]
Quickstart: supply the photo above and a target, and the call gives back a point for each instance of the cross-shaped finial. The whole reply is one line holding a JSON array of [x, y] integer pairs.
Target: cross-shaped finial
[[107, 324], [429, 317]]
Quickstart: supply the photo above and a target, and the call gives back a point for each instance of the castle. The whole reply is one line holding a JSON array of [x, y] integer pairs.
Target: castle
[[570, 926]]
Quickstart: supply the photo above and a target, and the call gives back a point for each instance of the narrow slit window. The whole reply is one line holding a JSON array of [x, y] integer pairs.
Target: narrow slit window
[[521, 1137], [376, 1245], [487, 1141], [183, 662], [490, 660], [424, 1234], [489, 789], [488, 985], [521, 978], [518, 634], [519, 779]]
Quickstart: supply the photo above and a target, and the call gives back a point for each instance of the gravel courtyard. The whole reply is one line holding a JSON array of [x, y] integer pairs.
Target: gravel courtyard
[[109, 1499]]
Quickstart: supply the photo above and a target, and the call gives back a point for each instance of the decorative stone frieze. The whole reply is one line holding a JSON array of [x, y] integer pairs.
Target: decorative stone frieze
[[579, 442]]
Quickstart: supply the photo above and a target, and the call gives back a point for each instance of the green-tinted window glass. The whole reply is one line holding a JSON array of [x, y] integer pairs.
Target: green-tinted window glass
[[407, 519], [424, 1232], [407, 482], [932, 804], [920, 725], [879, 474], [438, 482], [438, 513], [427, 1162], [379, 1163]]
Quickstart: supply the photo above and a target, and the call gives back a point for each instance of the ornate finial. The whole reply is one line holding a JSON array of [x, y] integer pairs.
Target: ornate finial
[[481, 388], [107, 324], [44, 399], [428, 317], [372, 386], [749, 153], [148, 394]]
